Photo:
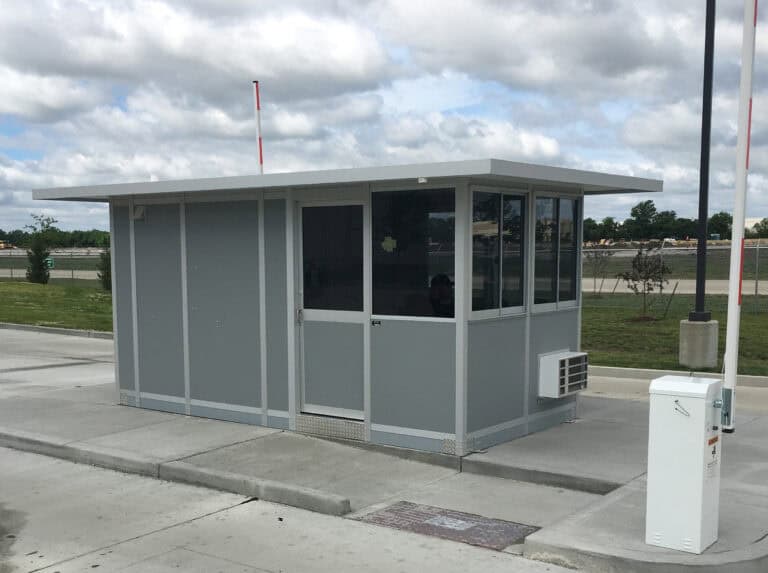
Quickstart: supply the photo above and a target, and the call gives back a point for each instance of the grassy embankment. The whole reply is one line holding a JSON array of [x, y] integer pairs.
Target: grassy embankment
[[63, 305]]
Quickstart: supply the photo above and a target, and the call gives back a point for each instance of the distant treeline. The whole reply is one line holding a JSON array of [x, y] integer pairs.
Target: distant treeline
[[57, 238], [645, 223]]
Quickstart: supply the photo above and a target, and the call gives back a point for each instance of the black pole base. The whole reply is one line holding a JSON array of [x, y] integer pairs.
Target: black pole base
[[729, 430], [699, 316]]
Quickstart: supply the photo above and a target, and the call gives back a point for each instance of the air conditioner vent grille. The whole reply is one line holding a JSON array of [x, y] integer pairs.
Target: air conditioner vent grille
[[562, 373]]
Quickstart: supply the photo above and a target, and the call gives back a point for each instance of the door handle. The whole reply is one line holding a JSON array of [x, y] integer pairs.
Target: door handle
[[299, 316], [375, 323]]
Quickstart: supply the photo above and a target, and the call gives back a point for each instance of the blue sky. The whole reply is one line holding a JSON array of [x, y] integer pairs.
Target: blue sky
[[105, 92]]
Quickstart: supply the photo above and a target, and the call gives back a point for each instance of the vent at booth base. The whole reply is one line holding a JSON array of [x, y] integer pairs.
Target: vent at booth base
[[562, 373]]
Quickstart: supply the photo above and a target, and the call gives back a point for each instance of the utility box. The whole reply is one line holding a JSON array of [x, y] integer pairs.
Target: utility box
[[684, 447]]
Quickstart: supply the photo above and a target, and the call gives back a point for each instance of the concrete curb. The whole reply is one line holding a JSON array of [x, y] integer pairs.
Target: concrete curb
[[57, 330], [268, 490], [648, 374], [578, 483], [177, 471], [549, 545]]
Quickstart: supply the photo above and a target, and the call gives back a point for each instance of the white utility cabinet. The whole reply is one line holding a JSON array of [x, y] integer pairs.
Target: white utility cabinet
[[684, 447]]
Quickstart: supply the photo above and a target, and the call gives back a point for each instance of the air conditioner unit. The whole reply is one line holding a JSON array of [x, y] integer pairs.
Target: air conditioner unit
[[562, 373]]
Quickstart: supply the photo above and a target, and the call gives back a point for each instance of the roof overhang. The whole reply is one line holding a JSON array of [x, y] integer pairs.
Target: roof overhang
[[509, 172]]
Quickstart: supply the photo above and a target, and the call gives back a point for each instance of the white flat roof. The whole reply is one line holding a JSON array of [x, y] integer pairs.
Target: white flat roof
[[488, 169]]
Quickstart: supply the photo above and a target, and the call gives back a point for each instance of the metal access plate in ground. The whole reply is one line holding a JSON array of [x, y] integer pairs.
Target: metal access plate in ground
[[449, 524]]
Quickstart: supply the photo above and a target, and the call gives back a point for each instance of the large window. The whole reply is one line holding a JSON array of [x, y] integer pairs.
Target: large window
[[556, 264], [413, 252], [497, 250]]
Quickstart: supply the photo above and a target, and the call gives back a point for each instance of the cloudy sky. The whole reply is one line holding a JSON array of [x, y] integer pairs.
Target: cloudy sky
[[136, 90]]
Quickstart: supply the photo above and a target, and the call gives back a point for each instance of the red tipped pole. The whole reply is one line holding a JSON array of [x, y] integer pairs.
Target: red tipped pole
[[258, 123]]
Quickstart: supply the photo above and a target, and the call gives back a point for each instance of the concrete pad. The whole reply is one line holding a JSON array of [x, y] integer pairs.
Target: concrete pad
[[498, 498], [271, 537], [73, 421], [178, 437], [67, 374], [626, 412], [104, 394], [610, 536], [62, 509], [365, 477], [598, 450], [39, 344]]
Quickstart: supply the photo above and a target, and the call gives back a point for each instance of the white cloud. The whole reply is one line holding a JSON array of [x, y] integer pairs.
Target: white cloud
[[97, 91]]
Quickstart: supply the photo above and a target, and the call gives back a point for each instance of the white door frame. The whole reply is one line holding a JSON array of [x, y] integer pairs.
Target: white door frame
[[353, 317]]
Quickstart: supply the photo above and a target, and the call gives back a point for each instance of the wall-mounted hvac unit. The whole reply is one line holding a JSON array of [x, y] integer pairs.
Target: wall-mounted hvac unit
[[562, 373]]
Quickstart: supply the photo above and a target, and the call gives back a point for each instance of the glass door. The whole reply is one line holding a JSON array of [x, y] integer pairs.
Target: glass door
[[332, 316]]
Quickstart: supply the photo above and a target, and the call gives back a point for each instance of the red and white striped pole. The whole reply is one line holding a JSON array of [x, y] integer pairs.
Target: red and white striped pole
[[257, 102], [737, 235]]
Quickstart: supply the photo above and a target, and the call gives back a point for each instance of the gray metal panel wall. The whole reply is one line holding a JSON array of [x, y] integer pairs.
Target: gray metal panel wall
[[413, 375], [158, 294], [121, 239], [223, 300], [550, 331], [496, 372], [277, 305], [333, 364]]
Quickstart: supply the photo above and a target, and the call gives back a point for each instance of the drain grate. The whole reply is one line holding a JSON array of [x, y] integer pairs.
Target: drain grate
[[448, 524]]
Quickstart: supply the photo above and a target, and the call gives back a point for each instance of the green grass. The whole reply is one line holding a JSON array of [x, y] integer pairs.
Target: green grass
[[683, 265], [59, 305], [613, 337]]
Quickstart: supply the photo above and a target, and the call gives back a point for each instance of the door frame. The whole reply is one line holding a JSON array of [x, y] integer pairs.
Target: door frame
[[355, 317]]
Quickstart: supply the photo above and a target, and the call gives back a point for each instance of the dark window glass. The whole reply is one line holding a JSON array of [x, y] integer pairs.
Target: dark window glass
[[545, 265], [485, 250], [568, 248], [512, 264], [413, 252], [332, 243]]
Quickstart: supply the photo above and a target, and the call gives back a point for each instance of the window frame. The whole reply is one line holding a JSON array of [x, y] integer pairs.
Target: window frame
[[578, 198], [387, 187], [501, 311]]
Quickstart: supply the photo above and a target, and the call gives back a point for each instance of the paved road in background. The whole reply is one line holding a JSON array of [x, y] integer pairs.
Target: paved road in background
[[55, 274]]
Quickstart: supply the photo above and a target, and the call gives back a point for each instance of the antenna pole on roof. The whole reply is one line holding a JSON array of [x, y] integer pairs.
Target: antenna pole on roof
[[257, 102]]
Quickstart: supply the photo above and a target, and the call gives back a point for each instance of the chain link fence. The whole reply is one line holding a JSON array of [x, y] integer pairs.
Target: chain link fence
[[73, 265], [602, 267]]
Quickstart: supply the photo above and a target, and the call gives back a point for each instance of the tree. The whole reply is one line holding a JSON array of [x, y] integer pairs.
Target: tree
[[640, 223], [761, 228], [105, 269], [647, 274], [609, 228], [596, 260], [721, 224], [39, 251], [591, 230], [664, 224]]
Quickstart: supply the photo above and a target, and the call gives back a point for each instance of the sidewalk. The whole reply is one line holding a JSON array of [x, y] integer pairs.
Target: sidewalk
[[684, 286], [582, 483]]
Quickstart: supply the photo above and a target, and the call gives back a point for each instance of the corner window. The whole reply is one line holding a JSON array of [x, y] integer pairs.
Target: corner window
[[556, 263], [413, 252], [497, 250]]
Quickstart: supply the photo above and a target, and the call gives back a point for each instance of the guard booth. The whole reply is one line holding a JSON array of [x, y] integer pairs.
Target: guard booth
[[434, 306]]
